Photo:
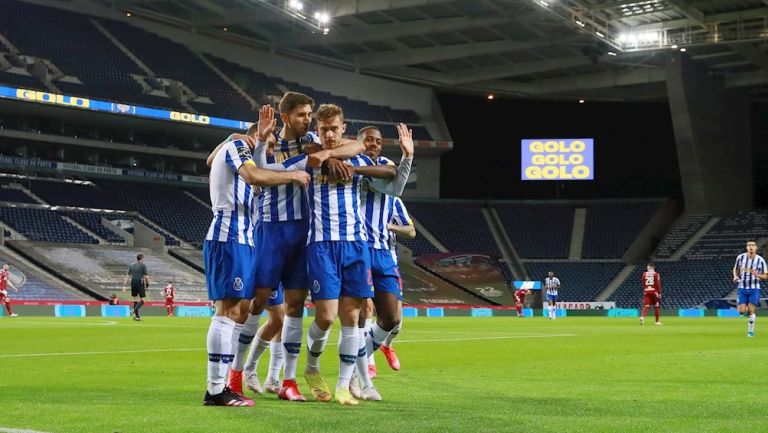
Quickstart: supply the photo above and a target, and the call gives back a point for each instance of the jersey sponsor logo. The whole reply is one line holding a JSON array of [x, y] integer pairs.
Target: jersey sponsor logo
[[238, 284], [243, 152], [316, 286], [190, 118]]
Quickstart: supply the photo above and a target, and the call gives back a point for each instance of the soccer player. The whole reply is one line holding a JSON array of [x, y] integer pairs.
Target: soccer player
[[651, 292], [230, 259], [338, 264], [262, 342], [4, 283], [169, 292], [552, 284], [138, 275], [380, 211], [747, 272], [520, 300], [280, 239]]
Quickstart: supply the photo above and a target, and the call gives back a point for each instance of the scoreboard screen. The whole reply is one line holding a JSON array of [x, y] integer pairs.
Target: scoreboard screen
[[557, 159]]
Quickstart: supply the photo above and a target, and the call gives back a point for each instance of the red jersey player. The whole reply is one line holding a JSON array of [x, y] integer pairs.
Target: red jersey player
[[170, 294], [4, 283], [651, 292], [520, 300]]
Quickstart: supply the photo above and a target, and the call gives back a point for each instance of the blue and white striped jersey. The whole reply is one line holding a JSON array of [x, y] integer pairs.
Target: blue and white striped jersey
[[232, 199], [285, 202], [334, 208], [401, 218], [551, 284], [380, 210], [744, 267]]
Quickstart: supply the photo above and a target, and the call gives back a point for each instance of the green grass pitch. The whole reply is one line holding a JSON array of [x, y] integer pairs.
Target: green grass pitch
[[577, 374]]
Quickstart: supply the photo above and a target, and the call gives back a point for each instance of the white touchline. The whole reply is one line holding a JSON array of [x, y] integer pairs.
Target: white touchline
[[34, 355], [15, 430], [509, 337]]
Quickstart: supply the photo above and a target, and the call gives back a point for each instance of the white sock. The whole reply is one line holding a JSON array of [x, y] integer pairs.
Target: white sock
[[219, 344], [392, 334], [257, 349], [361, 363], [371, 358], [316, 341], [292, 333], [244, 338], [375, 338], [276, 359], [368, 324], [348, 350], [751, 322]]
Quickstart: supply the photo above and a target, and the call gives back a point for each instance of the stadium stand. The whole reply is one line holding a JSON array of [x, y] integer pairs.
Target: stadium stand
[[460, 226], [727, 238], [166, 205], [685, 284], [175, 61], [685, 227], [612, 227], [580, 281], [13, 195], [92, 221], [94, 268], [77, 43], [34, 287], [418, 245], [74, 194], [531, 238], [43, 225]]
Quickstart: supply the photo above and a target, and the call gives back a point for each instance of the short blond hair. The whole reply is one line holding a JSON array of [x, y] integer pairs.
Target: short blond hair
[[329, 111]]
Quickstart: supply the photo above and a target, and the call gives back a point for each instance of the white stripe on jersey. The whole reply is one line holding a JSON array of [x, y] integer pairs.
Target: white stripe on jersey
[[551, 284], [231, 197], [285, 202], [335, 212], [744, 266], [379, 210]]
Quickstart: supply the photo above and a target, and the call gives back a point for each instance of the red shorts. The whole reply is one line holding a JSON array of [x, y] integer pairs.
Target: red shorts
[[520, 299], [651, 298], [3, 295], [168, 301]]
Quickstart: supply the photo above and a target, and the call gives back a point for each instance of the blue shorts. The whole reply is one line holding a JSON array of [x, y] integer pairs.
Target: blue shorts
[[229, 270], [276, 297], [551, 298], [748, 296], [386, 275], [281, 248], [339, 268]]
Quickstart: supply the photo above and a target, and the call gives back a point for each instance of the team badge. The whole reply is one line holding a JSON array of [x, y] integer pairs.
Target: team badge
[[316, 287], [238, 284]]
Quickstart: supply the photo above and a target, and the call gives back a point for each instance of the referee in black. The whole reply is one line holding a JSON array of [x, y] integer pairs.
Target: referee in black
[[137, 272]]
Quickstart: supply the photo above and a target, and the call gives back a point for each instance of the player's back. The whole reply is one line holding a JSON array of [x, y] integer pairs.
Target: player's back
[[651, 280], [232, 199]]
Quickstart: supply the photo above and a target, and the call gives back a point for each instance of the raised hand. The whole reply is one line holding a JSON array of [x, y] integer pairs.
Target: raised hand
[[267, 122], [406, 139], [250, 141]]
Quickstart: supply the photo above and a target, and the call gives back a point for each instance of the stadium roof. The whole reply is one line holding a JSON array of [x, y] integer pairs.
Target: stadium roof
[[601, 49]]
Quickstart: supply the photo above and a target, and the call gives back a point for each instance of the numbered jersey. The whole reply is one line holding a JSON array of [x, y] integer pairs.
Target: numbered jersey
[[168, 291], [651, 281]]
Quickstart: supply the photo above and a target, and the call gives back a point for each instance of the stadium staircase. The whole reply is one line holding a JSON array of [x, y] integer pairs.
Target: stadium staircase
[[683, 250], [122, 48], [617, 281], [229, 81], [83, 228], [508, 251], [577, 233]]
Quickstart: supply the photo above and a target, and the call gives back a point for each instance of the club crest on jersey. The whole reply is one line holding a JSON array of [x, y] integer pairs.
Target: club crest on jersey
[[238, 284], [316, 287], [273, 294], [243, 152]]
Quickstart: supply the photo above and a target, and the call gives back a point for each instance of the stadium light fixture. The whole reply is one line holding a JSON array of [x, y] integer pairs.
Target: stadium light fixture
[[128, 14], [491, 97], [296, 4], [682, 50], [581, 101], [611, 53]]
